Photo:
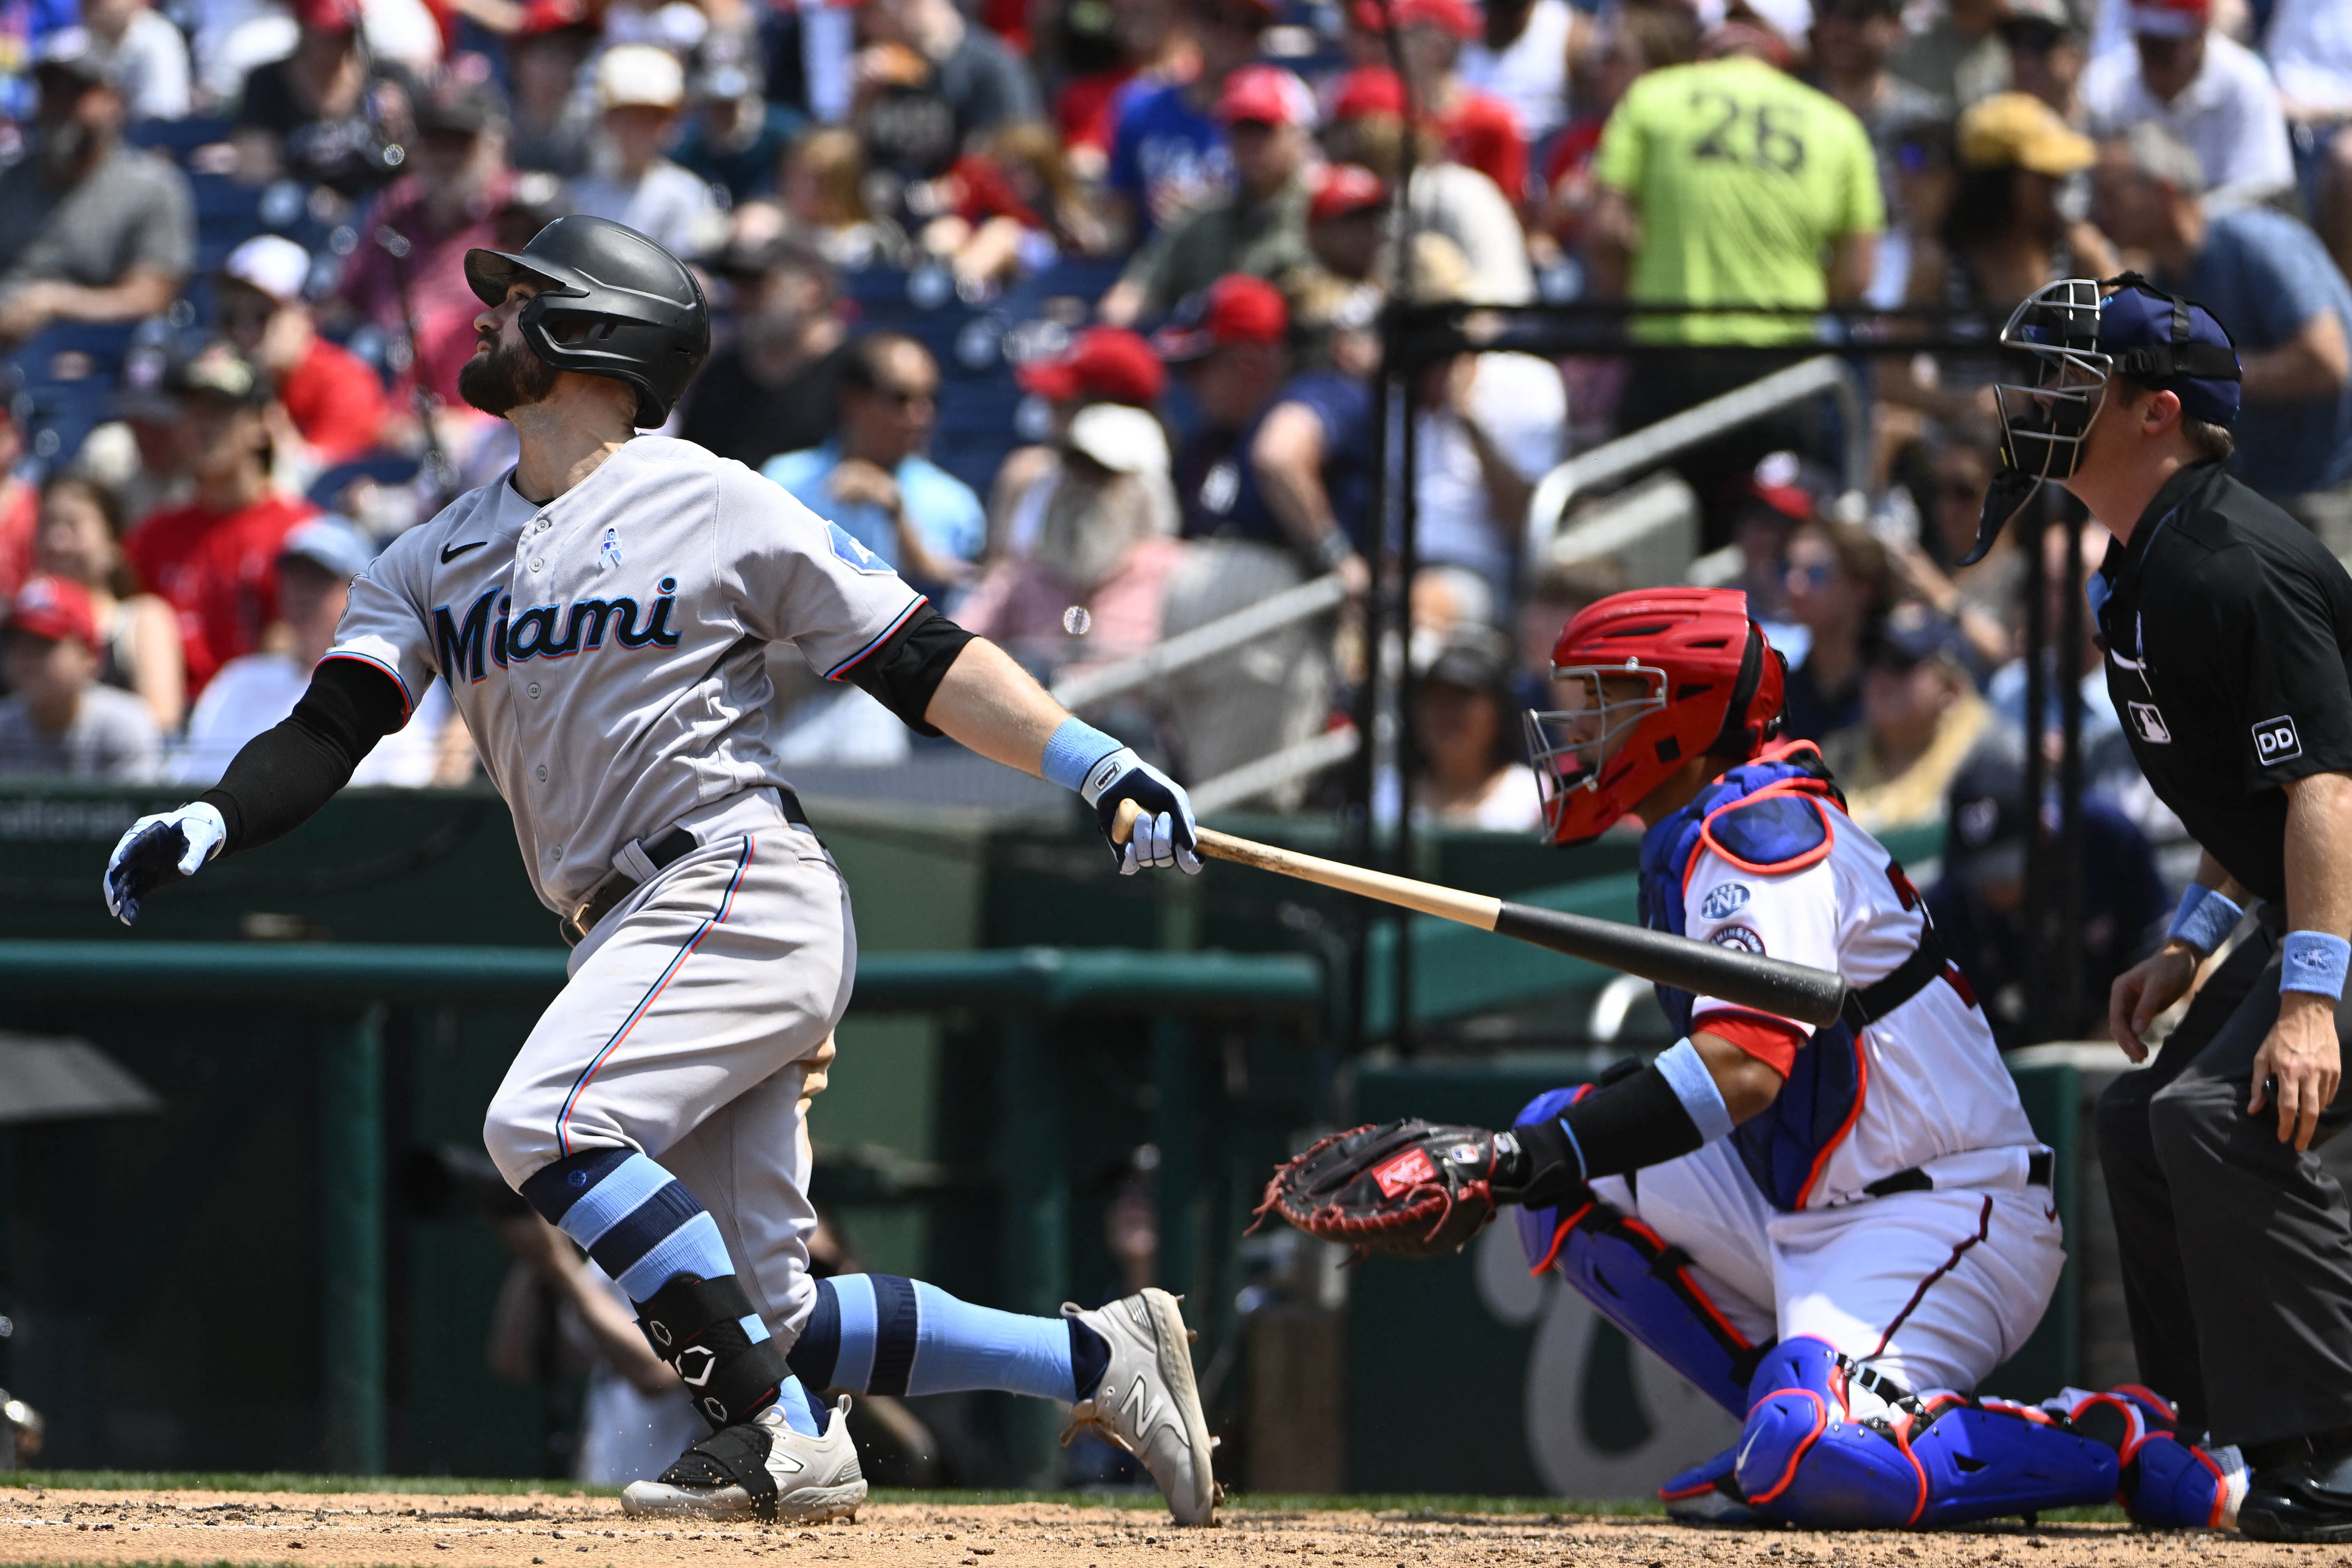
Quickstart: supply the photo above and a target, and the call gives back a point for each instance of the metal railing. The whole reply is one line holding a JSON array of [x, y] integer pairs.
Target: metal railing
[[1655, 444], [1202, 643], [1303, 760]]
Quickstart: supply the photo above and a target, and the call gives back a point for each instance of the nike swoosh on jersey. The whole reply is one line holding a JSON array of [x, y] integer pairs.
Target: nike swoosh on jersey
[[451, 552]]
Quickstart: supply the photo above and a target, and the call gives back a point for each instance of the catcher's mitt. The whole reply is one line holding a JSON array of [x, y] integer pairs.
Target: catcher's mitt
[[1410, 1187]]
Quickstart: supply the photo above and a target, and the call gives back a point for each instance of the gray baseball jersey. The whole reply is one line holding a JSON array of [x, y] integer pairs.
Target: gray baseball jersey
[[606, 649]]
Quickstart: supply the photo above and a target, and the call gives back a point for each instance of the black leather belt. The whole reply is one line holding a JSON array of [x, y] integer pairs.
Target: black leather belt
[[2038, 1168], [664, 852]]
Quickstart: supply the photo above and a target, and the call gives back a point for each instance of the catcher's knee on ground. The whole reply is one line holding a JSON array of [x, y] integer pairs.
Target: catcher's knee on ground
[[1805, 1458]]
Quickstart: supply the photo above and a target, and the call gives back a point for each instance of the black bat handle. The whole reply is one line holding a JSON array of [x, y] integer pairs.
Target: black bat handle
[[1771, 986]]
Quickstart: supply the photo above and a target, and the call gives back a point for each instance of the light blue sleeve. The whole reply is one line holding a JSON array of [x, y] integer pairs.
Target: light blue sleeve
[[802, 474], [2283, 274], [950, 515]]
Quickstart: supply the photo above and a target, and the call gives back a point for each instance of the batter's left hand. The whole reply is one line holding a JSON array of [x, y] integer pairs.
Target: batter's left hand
[[2300, 1054], [1163, 832]]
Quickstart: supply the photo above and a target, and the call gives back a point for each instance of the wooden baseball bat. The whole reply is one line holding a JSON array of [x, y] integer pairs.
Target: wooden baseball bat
[[1771, 986]]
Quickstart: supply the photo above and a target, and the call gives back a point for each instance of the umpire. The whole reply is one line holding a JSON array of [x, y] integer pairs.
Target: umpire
[[2229, 656]]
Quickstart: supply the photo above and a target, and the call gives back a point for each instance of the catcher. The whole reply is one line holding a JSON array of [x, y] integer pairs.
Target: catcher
[[1834, 1233]]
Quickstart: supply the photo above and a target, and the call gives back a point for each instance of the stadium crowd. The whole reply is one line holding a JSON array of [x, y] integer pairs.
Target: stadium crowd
[[1067, 309]]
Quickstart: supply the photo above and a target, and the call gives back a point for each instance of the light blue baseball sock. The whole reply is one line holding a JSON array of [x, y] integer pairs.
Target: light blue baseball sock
[[879, 1334], [663, 1248]]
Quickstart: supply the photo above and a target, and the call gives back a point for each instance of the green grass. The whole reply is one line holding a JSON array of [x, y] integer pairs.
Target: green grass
[[1137, 1498], [288, 1481], [1412, 1505]]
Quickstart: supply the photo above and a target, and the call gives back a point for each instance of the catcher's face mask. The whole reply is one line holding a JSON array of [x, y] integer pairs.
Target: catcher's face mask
[[1601, 708]]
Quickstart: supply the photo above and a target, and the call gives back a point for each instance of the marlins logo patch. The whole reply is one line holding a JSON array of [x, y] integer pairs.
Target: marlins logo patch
[[1740, 936], [1724, 900], [856, 555]]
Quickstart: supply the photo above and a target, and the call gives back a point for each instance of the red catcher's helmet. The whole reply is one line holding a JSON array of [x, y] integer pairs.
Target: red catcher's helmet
[[1652, 678]]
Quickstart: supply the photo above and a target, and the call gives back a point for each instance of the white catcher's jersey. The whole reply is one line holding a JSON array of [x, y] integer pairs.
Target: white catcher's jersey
[[606, 649], [1932, 1092]]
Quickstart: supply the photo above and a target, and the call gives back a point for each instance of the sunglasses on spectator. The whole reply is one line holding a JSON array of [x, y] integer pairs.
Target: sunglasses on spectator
[[1817, 573]]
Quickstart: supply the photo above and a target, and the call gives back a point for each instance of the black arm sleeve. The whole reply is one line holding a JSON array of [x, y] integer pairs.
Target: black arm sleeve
[[902, 673], [284, 775], [1623, 1126]]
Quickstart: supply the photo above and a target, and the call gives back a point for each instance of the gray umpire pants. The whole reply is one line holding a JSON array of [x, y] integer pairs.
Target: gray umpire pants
[[2236, 1250]]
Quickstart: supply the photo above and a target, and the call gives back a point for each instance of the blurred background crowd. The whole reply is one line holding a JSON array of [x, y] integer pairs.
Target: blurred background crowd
[[1072, 311]]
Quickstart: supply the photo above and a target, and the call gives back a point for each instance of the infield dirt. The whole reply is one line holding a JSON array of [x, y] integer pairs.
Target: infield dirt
[[314, 1531]]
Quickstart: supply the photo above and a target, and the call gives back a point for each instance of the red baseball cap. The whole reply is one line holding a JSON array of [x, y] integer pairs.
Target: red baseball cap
[[1368, 90], [1266, 95], [2171, 18], [1452, 16], [541, 17], [1236, 309], [56, 608], [327, 16], [1344, 188], [1109, 363]]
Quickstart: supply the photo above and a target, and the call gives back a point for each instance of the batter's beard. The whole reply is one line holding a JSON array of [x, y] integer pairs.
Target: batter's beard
[[505, 379]]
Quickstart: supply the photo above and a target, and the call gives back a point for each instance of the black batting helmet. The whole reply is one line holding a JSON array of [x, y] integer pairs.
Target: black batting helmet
[[647, 322]]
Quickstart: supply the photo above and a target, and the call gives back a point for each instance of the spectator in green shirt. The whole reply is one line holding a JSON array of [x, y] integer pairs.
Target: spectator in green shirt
[[1728, 183]]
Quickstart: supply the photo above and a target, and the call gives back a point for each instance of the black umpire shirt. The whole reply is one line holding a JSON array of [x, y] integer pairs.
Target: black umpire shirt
[[2229, 636]]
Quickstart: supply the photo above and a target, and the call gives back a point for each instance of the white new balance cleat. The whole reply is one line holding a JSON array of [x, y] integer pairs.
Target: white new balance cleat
[[760, 1468], [1146, 1403]]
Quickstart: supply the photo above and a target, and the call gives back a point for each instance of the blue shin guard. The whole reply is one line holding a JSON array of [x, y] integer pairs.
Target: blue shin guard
[[2165, 1480], [1633, 1279], [1804, 1457], [1993, 1459]]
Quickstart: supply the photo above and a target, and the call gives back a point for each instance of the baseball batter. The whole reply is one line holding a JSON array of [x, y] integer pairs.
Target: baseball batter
[[599, 614], [1835, 1232]]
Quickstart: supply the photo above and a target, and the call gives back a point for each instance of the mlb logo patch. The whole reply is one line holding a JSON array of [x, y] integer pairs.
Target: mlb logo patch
[[1724, 900], [845, 546], [1408, 1170], [2148, 724], [2275, 740]]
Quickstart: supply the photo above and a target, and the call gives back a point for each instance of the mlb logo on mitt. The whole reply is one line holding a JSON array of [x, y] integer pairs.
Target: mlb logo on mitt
[[2275, 740], [1408, 1170]]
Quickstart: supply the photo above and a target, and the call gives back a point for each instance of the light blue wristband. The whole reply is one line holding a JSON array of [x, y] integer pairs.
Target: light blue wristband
[[1072, 749], [2315, 962], [2204, 918], [1685, 1073]]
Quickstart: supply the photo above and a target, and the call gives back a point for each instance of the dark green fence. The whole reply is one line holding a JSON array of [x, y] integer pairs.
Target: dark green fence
[[1042, 1008]]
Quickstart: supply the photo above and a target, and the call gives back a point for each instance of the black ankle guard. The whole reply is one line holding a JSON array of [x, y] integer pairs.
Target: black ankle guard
[[695, 1326]]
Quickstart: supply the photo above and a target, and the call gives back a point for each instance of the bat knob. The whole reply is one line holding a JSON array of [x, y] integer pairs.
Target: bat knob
[[1123, 821]]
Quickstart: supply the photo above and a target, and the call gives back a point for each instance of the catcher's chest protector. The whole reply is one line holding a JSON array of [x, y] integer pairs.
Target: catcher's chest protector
[[1772, 816]]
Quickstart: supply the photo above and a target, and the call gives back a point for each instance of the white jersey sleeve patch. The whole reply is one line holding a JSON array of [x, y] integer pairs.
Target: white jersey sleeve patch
[[1790, 914], [805, 581]]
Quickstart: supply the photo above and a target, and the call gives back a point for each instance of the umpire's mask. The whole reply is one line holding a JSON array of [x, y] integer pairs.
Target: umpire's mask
[[2053, 337]]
